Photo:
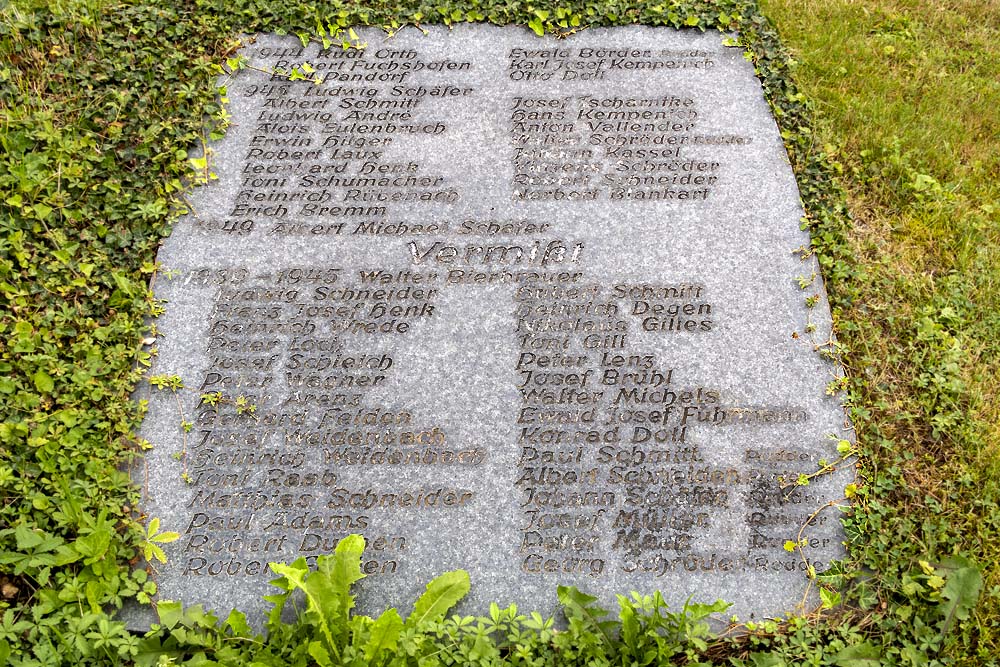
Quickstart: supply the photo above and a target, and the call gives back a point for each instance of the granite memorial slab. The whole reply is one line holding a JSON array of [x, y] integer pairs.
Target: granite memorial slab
[[527, 307]]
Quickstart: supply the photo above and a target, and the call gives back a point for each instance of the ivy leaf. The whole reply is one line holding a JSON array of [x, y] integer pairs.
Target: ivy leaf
[[170, 613], [829, 598], [859, 655], [537, 26], [237, 622], [767, 660], [43, 382], [94, 545], [152, 650], [42, 211], [35, 541]]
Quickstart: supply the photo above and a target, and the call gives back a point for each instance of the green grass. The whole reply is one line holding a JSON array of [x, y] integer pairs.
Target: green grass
[[99, 102], [907, 97]]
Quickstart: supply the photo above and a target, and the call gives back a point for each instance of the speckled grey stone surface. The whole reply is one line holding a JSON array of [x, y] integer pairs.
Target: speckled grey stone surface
[[525, 307]]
